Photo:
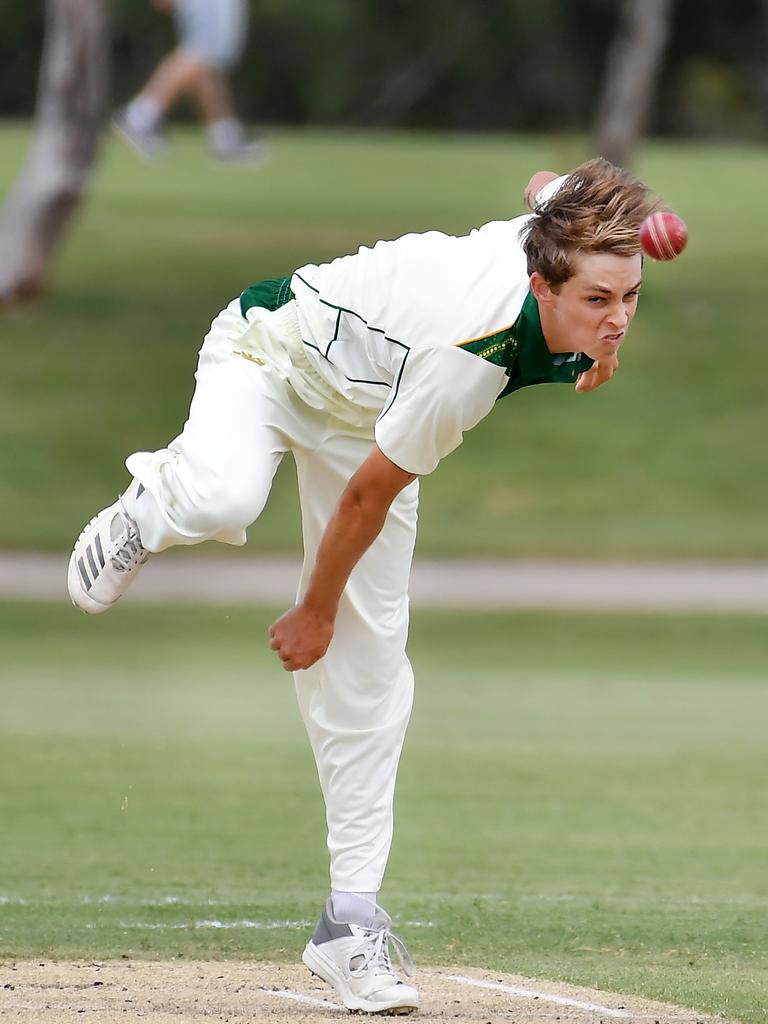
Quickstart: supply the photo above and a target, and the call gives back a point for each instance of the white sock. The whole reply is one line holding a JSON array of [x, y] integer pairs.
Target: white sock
[[143, 114], [130, 496], [225, 134], [354, 907], [141, 507]]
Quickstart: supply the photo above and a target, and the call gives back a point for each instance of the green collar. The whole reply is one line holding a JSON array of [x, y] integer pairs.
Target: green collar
[[535, 364]]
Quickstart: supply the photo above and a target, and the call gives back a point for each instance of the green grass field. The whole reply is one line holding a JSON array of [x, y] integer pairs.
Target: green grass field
[[664, 462], [581, 798]]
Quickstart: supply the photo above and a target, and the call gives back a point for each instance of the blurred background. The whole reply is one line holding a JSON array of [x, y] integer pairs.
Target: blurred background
[[613, 764], [492, 65]]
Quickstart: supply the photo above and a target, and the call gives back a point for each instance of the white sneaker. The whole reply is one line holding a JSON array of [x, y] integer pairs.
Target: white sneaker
[[355, 961], [148, 144], [107, 557]]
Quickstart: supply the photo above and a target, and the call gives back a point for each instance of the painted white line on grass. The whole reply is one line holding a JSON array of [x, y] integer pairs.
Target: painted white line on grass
[[178, 925], [528, 993], [253, 924], [264, 925], [160, 901], [299, 998]]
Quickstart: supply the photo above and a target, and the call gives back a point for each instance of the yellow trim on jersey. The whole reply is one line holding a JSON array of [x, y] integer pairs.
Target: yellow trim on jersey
[[482, 337]]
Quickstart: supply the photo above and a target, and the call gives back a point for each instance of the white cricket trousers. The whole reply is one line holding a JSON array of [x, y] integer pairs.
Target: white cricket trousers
[[213, 481]]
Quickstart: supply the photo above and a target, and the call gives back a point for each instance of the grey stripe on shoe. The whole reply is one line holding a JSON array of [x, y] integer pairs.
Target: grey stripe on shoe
[[83, 574], [92, 562]]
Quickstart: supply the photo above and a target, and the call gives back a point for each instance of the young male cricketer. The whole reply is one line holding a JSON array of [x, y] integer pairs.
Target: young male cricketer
[[369, 369]]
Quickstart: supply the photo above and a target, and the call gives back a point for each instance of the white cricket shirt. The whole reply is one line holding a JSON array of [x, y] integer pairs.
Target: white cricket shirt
[[386, 326], [424, 332]]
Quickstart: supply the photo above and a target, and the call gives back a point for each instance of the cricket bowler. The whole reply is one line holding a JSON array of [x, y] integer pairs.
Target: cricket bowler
[[369, 369]]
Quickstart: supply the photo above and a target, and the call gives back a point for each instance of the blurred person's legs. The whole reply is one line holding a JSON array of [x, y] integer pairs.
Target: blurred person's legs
[[211, 38]]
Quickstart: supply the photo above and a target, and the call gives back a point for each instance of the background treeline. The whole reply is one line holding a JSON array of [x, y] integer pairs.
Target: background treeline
[[484, 64]]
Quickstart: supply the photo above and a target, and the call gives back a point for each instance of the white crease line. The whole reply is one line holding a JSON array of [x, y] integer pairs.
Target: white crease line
[[253, 924], [7, 900], [297, 997], [162, 925], [548, 997], [263, 925], [159, 901]]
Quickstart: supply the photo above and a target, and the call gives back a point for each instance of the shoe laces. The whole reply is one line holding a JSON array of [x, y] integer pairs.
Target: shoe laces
[[131, 553], [374, 950]]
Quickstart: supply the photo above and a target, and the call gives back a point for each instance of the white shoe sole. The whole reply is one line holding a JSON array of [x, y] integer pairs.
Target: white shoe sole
[[332, 975]]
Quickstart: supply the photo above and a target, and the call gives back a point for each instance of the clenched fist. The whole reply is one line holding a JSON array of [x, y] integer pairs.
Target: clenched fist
[[300, 637]]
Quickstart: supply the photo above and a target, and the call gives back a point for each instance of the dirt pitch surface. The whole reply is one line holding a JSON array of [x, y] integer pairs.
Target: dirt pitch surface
[[180, 992]]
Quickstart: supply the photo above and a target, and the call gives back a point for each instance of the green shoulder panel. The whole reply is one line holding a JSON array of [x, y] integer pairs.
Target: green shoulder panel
[[500, 348], [270, 294], [522, 351]]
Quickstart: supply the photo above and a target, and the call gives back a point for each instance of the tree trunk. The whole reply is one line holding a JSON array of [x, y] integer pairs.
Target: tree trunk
[[71, 108], [760, 67], [633, 66]]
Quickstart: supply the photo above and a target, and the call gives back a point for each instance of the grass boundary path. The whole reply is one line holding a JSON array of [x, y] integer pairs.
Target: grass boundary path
[[436, 583]]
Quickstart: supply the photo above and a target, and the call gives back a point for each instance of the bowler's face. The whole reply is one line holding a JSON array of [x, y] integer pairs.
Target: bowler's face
[[592, 311]]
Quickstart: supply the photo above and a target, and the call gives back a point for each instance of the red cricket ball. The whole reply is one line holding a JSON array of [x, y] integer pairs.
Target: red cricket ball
[[663, 235]]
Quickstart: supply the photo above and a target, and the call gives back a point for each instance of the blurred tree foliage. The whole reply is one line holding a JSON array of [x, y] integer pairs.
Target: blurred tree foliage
[[482, 64]]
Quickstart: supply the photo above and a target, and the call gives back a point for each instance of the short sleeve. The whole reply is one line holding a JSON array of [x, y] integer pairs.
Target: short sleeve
[[438, 394]]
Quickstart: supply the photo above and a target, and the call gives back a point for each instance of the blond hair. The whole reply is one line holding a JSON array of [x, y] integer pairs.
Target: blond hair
[[598, 209]]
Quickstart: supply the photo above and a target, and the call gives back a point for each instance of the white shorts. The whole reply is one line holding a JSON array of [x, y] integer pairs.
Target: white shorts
[[214, 31]]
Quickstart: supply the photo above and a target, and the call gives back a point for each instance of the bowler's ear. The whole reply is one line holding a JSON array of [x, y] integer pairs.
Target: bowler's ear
[[541, 290]]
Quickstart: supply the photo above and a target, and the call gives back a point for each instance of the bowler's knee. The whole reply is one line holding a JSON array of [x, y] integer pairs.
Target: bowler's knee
[[225, 505]]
